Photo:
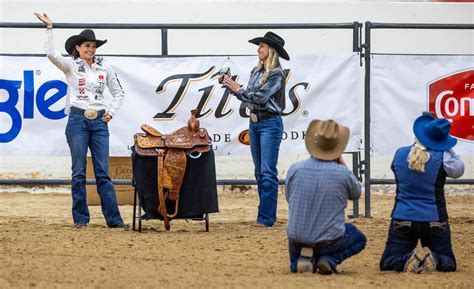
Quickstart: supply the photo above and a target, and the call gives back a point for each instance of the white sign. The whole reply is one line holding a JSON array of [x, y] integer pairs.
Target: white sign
[[403, 86], [162, 91]]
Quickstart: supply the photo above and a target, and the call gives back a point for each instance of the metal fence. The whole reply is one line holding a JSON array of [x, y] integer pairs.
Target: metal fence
[[369, 26], [165, 29], [361, 168]]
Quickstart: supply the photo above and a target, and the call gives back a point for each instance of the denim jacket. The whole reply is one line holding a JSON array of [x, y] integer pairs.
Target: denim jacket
[[270, 97]]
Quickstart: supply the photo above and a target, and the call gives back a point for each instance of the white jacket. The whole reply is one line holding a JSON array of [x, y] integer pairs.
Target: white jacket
[[86, 84]]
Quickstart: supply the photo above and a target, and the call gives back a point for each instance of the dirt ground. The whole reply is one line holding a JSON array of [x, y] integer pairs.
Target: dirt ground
[[40, 248]]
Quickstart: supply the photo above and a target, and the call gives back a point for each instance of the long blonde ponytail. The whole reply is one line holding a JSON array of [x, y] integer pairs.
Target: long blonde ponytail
[[418, 157], [270, 63]]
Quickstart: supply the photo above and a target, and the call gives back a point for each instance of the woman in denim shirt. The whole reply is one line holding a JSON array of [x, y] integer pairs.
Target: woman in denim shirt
[[420, 210], [265, 98]]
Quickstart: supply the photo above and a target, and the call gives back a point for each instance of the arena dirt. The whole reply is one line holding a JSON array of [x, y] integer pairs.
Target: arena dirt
[[40, 248]]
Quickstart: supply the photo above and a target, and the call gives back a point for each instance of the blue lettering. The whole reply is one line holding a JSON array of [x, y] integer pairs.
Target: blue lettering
[[11, 86], [29, 92], [9, 106], [44, 104]]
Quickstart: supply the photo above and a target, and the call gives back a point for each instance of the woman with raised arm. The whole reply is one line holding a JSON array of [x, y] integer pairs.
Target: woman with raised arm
[[87, 77]]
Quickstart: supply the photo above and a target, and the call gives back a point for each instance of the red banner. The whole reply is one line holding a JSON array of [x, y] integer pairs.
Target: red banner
[[452, 97]]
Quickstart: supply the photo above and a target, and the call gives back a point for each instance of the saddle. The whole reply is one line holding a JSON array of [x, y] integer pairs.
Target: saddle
[[171, 151]]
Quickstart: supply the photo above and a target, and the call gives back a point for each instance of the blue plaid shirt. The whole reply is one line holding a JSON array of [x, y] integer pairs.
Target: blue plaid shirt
[[317, 193]]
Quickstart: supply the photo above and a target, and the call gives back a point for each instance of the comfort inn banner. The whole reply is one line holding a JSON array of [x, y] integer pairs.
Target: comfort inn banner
[[161, 92], [403, 86]]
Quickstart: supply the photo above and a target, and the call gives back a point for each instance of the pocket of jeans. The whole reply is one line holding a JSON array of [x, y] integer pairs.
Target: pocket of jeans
[[74, 122], [74, 117], [402, 227], [105, 123], [439, 228]]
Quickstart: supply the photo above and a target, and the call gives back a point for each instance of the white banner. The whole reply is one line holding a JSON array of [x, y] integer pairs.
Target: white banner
[[162, 91], [403, 86]]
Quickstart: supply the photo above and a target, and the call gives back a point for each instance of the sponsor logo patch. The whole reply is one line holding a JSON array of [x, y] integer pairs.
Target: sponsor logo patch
[[452, 97], [244, 137]]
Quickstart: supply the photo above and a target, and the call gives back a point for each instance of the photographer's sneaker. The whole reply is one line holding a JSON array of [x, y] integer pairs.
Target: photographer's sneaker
[[414, 262], [305, 263], [324, 267], [428, 263]]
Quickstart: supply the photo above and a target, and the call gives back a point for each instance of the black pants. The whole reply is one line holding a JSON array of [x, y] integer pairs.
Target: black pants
[[403, 237]]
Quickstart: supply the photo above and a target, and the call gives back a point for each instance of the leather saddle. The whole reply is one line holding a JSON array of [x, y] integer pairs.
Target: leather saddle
[[171, 151]]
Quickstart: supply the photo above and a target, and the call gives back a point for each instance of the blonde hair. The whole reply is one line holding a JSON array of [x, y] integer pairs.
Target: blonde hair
[[268, 65], [418, 157]]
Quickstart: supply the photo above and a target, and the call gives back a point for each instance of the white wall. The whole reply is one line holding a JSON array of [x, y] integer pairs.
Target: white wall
[[232, 42]]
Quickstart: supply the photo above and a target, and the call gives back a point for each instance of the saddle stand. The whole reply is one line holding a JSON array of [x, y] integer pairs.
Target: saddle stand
[[171, 151]]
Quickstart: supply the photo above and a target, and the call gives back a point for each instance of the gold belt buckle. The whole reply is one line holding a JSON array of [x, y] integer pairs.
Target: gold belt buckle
[[91, 114], [253, 117]]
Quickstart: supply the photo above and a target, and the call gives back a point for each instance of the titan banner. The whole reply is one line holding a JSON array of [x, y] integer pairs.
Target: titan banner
[[161, 92], [403, 86]]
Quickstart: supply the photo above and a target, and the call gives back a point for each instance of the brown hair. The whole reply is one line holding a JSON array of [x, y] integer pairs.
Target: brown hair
[[75, 53]]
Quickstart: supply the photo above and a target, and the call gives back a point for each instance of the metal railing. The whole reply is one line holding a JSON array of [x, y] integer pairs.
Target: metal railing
[[165, 29], [369, 26], [361, 168]]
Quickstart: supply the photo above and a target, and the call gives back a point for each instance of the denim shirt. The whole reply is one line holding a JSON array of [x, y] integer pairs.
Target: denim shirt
[[264, 98]]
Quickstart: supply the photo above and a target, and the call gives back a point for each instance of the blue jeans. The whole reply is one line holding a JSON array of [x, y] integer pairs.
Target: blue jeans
[[82, 133], [403, 237], [265, 139], [351, 243]]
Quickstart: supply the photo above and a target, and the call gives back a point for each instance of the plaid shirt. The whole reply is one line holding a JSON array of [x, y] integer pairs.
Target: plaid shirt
[[317, 193]]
